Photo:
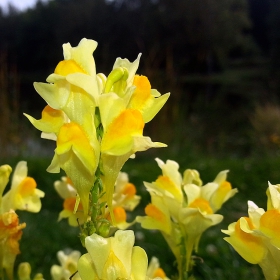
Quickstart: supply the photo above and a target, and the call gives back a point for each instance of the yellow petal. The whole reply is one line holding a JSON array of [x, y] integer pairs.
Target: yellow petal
[[56, 95], [250, 247], [157, 217], [159, 273], [86, 268], [223, 192], [77, 157], [87, 83], [24, 271], [143, 100], [270, 226], [171, 170], [51, 120], [129, 190], [202, 204], [5, 171], [66, 67], [69, 204], [114, 268], [72, 137], [120, 214], [139, 263], [82, 55], [80, 109], [142, 93], [165, 183], [27, 187], [118, 139], [155, 213]]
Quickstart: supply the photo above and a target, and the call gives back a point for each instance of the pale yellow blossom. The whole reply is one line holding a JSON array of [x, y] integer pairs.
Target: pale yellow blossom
[[117, 258], [68, 266], [23, 194], [96, 121], [155, 271], [256, 237], [10, 234], [68, 193]]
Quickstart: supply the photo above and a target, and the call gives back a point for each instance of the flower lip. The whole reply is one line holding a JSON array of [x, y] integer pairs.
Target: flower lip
[[66, 67]]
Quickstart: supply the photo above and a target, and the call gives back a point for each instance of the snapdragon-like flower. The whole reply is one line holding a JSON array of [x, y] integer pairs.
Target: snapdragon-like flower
[[124, 199], [66, 190], [113, 258], [96, 121], [157, 216], [256, 237], [182, 208], [198, 214], [68, 266], [155, 271], [125, 193], [10, 234], [23, 194]]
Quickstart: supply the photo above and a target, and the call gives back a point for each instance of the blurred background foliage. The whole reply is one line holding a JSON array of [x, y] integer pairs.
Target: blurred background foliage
[[220, 59]]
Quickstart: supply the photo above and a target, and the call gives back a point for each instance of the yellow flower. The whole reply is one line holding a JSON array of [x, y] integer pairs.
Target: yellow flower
[[23, 194], [170, 183], [157, 216], [223, 193], [123, 129], [67, 192], [155, 271], [146, 100], [95, 121], [120, 218], [125, 193], [124, 199], [198, 214], [168, 186], [10, 234], [273, 196], [72, 93], [182, 209], [68, 266], [256, 237], [113, 258], [268, 221]]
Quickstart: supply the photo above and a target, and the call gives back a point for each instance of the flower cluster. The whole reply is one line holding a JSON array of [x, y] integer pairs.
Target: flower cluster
[[96, 121], [257, 237], [182, 208], [23, 195]]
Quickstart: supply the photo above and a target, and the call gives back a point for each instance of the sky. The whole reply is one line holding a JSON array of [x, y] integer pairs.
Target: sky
[[20, 4]]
